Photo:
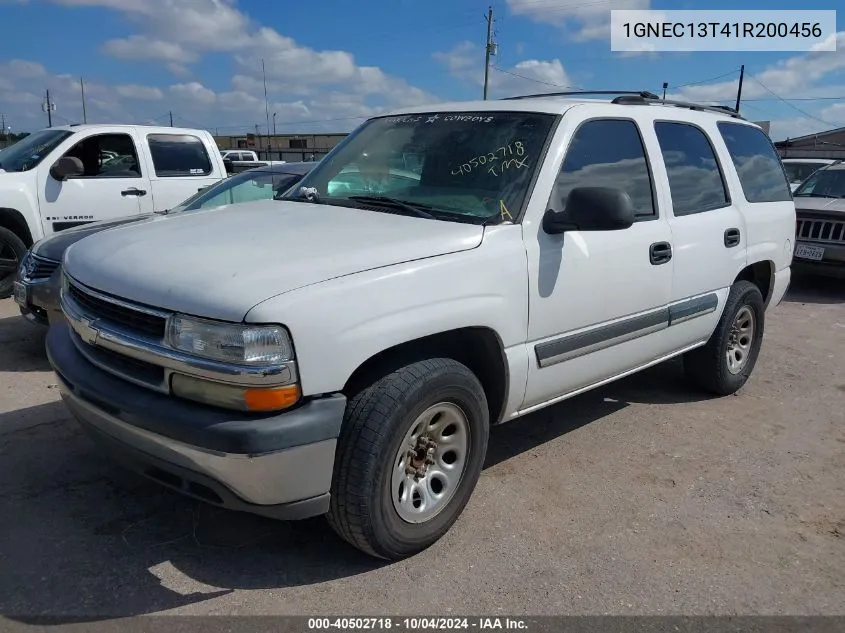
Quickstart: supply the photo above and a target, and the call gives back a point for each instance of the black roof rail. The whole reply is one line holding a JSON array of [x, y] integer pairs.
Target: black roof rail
[[654, 99], [643, 94]]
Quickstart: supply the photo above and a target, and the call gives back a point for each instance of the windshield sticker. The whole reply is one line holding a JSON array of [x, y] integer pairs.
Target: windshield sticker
[[501, 156], [438, 118]]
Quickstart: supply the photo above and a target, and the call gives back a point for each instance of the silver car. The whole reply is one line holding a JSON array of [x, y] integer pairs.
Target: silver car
[[36, 289]]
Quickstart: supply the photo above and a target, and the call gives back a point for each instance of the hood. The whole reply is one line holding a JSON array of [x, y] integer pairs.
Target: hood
[[808, 203], [54, 246], [220, 263]]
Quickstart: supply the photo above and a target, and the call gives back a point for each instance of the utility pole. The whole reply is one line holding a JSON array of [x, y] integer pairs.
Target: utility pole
[[665, 85], [171, 119], [3, 128], [82, 89], [274, 125], [488, 49], [739, 89], [48, 108], [266, 104]]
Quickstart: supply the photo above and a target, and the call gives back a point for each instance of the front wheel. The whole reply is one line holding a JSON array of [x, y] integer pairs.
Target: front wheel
[[408, 458], [724, 364], [12, 250]]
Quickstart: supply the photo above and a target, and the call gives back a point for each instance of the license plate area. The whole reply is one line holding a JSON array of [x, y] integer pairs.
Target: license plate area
[[806, 251], [20, 294]]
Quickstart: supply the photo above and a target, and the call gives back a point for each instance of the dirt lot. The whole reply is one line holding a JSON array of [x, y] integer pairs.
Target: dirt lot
[[643, 497]]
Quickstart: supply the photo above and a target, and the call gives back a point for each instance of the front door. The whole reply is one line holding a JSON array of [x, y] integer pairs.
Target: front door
[[113, 184], [598, 299]]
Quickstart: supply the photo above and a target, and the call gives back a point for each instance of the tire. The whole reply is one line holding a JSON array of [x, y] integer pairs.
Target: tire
[[10, 245], [379, 420], [708, 367]]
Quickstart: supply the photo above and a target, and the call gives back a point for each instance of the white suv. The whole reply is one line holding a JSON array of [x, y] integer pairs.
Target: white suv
[[345, 350]]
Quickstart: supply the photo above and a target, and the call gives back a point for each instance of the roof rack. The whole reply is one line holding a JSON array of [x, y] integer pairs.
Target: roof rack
[[643, 94], [649, 99]]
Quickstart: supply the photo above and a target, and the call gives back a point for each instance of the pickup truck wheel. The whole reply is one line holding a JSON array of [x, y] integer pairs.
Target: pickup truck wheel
[[723, 365], [408, 458], [12, 250]]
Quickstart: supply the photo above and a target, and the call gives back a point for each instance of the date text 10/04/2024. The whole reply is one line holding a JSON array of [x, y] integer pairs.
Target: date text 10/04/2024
[[416, 623]]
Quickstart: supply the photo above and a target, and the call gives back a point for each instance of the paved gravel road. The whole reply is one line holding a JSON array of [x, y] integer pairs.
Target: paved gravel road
[[640, 498]]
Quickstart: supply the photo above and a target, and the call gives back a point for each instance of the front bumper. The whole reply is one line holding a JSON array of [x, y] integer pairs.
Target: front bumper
[[277, 465], [42, 299], [832, 263]]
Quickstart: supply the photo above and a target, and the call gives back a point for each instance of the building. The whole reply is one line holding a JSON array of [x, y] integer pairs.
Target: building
[[287, 147], [830, 144]]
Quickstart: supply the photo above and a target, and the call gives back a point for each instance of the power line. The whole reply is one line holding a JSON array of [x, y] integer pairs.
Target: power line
[[793, 106], [539, 81], [704, 81]]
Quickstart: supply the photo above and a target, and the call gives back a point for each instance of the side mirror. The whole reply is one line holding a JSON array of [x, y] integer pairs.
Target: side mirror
[[592, 209], [67, 167], [230, 168]]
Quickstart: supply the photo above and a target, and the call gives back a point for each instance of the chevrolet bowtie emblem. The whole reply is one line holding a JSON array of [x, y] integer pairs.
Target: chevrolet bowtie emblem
[[87, 332]]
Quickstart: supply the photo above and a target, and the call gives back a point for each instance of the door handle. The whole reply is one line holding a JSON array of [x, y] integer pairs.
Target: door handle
[[133, 192], [731, 237], [660, 253]]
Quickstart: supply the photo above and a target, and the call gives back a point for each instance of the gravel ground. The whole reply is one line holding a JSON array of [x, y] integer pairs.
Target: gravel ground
[[639, 498]]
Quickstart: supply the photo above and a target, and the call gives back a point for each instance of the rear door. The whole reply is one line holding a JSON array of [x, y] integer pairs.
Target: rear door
[[179, 165], [708, 230]]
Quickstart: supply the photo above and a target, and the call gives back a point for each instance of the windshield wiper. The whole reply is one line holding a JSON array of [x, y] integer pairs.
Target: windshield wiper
[[418, 210]]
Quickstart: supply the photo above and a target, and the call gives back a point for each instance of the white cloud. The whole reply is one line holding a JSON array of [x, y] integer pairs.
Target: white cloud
[[588, 20], [193, 92], [134, 91], [528, 76], [141, 47]]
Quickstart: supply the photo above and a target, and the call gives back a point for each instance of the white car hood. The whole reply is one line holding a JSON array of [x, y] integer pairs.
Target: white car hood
[[809, 203], [222, 262]]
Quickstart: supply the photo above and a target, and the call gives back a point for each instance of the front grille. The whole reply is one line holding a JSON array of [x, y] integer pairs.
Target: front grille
[[133, 319], [43, 268], [818, 230]]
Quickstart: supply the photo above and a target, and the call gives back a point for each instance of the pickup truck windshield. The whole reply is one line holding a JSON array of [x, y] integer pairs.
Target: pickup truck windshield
[[454, 165], [31, 150], [797, 172], [828, 183]]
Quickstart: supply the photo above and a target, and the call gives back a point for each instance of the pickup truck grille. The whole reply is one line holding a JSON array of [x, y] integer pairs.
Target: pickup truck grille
[[137, 320], [43, 268], [818, 230]]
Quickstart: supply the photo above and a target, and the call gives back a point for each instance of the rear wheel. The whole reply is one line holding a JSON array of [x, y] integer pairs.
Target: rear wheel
[[724, 364], [12, 250], [408, 458]]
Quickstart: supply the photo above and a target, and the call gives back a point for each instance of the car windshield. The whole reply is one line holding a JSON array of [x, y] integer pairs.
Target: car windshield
[[798, 172], [247, 186], [461, 166], [31, 150], [827, 183]]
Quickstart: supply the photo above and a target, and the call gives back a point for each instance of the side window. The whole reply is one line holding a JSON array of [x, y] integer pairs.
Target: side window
[[695, 180], [178, 155], [757, 163], [607, 153], [107, 156], [298, 143]]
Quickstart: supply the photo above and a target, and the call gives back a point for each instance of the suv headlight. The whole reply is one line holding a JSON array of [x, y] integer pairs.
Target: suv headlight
[[237, 343]]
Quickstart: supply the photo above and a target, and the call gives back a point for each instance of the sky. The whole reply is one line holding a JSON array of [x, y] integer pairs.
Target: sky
[[329, 64]]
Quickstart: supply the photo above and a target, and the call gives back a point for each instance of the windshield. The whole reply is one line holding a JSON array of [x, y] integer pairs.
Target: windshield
[[31, 150], [827, 183], [463, 166], [798, 172], [247, 186]]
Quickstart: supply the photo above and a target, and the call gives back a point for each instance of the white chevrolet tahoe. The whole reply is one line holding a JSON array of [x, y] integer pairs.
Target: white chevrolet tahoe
[[345, 351], [61, 177]]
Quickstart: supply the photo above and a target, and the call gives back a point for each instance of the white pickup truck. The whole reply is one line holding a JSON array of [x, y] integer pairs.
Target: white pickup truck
[[344, 350], [61, 177]]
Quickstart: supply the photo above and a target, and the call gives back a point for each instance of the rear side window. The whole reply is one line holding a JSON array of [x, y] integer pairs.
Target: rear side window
[[178, 155], [757, 163], [607, 153], [695, 180]]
